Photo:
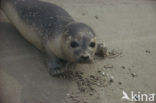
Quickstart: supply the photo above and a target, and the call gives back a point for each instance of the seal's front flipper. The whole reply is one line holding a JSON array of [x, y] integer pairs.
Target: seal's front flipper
[[58, 66], [54, 66], [101, 50]]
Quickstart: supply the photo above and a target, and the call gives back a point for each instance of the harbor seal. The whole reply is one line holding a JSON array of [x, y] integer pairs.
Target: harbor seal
[[51, 29]]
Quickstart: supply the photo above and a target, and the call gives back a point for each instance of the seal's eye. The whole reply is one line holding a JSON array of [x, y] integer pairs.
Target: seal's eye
[[74, 44], [92, 44]]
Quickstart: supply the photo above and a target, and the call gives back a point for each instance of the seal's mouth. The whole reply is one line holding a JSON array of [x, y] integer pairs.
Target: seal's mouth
[[81, 61]]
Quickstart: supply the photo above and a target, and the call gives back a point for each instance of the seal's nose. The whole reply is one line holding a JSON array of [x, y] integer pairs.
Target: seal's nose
[[85, 58]]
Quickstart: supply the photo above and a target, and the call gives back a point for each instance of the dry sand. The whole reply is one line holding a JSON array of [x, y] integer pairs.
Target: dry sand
[[126, 26]]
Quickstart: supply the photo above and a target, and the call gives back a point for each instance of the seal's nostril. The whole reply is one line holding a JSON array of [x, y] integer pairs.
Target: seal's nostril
[[85, 57]]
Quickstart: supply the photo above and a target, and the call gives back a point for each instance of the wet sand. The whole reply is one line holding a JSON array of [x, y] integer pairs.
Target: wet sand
[[126, 26]]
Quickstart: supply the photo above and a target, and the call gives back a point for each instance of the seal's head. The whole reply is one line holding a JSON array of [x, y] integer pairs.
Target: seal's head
[[80, 43]]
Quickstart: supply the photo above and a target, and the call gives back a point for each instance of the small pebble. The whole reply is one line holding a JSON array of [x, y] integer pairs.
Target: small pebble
[[103, 73], [120, 83], [134, 74], [90, 94], [123, 67], [96, 17], [99, 71], [148, 51], [111, 79]]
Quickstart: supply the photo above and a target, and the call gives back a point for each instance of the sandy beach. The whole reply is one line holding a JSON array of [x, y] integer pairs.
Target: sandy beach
[[127, 27]]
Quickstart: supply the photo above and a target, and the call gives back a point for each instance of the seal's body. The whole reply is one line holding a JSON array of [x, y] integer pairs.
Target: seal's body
[[51, 29]]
